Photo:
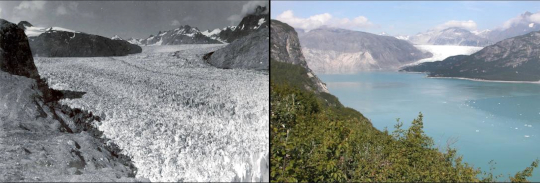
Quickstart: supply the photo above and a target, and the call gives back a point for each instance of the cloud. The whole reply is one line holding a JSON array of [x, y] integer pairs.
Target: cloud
[[469, 25], [234, 19], [31, 5], [251, 6], [61, 10], [523, 18], [175, 23], [247, 8], [28, 10], [324, 19], [72, 8], [188, 18], [535, 18]]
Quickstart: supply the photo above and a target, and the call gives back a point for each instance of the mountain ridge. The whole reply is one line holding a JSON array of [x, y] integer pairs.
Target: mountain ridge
[[334, 50], [512, 59]]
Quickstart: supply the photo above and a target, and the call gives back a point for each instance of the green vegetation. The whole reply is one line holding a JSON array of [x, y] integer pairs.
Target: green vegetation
[[313, 140]]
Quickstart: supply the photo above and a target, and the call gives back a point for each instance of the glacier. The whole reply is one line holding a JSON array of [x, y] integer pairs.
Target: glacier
[[178, 118], [440, 52]]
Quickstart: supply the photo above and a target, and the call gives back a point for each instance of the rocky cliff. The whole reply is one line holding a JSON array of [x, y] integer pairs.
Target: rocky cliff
[[285, 47], [248, 52], [15, 53]]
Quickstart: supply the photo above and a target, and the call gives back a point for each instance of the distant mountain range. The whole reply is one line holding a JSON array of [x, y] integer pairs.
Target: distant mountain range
[[516, 26], [61, 42], [186, 34], [512, 59], [448, 36], [332, 50]]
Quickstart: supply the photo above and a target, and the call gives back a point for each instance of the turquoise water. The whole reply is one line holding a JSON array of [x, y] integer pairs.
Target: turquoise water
[[485, 120]]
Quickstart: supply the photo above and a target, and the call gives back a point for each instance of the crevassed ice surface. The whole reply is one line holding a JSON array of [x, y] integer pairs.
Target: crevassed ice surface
[[178, 118]]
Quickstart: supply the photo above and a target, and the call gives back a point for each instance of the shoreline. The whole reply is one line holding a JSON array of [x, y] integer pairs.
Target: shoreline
[[484, 80], [471, 79]]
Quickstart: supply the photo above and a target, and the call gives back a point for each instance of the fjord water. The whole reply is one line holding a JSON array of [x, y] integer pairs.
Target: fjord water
[[483, 120]]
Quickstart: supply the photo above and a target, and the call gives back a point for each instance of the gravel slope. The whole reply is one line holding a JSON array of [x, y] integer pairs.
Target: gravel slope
[[177, 117]]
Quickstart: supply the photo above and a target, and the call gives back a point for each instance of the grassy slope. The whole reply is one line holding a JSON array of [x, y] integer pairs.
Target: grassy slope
[[315, 138]]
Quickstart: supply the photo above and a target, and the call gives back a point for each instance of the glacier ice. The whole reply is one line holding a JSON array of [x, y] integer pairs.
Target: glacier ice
[[178, 118]]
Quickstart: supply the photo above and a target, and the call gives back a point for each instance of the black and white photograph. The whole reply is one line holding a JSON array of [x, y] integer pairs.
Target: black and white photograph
[[134, 91]]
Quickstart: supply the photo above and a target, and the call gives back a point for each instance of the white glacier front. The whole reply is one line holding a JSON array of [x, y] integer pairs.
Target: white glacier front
[[441, 52]]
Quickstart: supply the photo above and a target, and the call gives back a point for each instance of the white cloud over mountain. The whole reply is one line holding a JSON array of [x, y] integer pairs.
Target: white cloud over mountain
[[325, 19], [31, 5], [526, 17], [247, 8], [468, 25]]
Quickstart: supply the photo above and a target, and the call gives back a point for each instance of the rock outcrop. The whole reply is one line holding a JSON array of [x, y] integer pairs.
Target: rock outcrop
[[15, 52], [285, 47], [249, 52]]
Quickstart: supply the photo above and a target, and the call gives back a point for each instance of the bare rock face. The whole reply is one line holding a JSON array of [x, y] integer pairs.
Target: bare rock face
[[249, 52], [285, 47], [15, 54], [338, 51]]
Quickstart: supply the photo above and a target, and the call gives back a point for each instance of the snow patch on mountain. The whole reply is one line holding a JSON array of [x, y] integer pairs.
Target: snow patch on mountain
[[406, 38], [116, 37], [33, 31], [211, 33], [261, 21]]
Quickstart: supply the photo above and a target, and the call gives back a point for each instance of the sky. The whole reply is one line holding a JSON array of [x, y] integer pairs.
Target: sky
[[127, 19], [400, 17]]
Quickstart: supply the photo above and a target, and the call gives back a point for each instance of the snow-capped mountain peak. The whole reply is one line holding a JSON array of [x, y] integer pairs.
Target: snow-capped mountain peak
[[476, 32], [184, 34], [449, 36], [185, 30], [116, 37], [191, 35], [211, 33]]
